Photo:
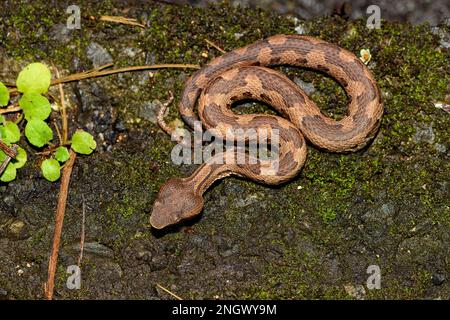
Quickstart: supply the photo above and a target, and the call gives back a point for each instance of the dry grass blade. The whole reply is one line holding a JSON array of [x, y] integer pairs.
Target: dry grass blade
[[99, 72], [10, 109], [169, 292], [122, 20], [10, 153], [212, 44], [65, 125], [83, 221]]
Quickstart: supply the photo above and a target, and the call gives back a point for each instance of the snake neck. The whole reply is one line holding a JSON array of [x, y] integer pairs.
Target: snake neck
[[205, 175]]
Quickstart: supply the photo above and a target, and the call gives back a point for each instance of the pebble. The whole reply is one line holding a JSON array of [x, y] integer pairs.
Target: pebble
[[443, 36], [250, 200], [440, 148], [9, 200], [305, 86], [388, 209], [437, 279], [424, 133], [119, 126], [447, 22], [149, 110], [358, 292], [98, 55], [131, 52], [60, 33], [300, 29], [16, 226], [95, 248]]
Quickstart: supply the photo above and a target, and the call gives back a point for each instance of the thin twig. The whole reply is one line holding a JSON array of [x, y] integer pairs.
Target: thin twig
[[10, 109], [212, 44], [83, 220], [10, 153], [60, 211], [98, 72], [169, 292], [58, 132], [51, 149], [65, 125], [122, 20]]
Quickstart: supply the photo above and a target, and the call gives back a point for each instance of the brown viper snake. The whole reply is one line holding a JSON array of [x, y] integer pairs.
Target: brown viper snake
[[242, 74]]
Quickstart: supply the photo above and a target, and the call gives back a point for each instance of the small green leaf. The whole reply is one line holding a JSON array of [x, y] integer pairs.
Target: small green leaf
[[34, 78], [35, 105], [51, 170], [83, 142], [62, 154], [2, 156], [38, 132], [9, 174], [10, 132], [2, 119], [21, 158], [4, 95]]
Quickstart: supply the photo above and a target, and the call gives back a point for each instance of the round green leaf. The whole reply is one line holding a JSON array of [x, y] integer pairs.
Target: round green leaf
[[10, 132], [51, 170], [34, 78], [83, 142], [9, 174], [35, 105], [38, 132], [21, 158], [62, 154], [4, 95]]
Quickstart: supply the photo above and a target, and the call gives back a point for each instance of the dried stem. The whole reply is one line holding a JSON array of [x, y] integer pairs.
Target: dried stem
[[65, 126], [98, 72], [169, 292], [60, 211], [122, 20], [10, 109], [10, 153], [212, 44], [83, 221]]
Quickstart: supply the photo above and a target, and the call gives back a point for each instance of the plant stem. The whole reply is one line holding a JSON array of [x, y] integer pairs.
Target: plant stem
[[60, 211], [65, 125], [11, 109], [10, 153]]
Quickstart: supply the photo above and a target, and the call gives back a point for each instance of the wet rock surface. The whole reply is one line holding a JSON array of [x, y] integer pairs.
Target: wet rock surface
[[314, 237]]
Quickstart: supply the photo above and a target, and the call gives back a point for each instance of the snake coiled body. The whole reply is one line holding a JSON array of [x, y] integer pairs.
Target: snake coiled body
[[242, 74]]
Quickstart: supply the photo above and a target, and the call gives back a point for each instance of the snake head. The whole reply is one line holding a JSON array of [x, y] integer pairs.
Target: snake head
[[176, 201]]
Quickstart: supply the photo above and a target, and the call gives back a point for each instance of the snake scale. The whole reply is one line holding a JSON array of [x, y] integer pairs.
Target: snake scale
[[243, 74]]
